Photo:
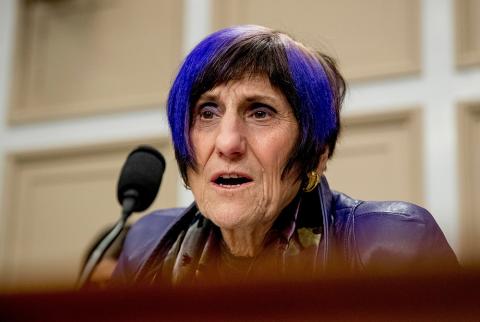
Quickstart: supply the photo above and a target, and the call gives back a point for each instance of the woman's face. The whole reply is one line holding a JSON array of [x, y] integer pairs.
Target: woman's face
[[242, 134]]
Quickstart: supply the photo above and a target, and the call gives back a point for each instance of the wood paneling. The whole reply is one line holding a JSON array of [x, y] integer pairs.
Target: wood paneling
[[91, 56], [469, 143], [371, 38], [378, 157], [467, 16], [59, 201]]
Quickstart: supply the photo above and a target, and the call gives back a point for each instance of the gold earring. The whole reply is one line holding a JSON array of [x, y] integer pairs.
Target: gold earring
[[313, 181]]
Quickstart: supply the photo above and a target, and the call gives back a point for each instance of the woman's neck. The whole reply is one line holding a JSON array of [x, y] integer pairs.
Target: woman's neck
[[249, 241], [245, 242]]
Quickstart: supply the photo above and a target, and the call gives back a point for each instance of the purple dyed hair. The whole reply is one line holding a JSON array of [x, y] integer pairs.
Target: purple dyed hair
[[309, 80]]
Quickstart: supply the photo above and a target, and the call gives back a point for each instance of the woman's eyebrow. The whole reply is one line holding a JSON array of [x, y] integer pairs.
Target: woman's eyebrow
[[261, 97], [211, 96], [208, 97]]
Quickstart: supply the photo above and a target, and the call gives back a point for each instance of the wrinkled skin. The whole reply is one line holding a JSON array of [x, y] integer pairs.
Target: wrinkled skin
[[244, 128]]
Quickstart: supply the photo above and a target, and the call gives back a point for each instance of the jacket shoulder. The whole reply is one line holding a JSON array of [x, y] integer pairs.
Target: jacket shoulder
[[393, 220], [392, 235], [151, 228], [141, 240], [400, 209], [396, 235]]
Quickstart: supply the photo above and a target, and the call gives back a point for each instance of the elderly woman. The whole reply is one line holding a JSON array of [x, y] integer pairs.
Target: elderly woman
[[254, 117]]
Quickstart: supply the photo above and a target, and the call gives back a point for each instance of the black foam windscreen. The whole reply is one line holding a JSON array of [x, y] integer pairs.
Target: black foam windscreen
[[141, 173]]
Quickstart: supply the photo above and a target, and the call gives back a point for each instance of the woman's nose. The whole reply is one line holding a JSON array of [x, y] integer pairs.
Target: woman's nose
[[230, 141]]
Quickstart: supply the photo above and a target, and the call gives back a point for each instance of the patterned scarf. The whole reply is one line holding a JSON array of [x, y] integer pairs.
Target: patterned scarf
[[197, 254]]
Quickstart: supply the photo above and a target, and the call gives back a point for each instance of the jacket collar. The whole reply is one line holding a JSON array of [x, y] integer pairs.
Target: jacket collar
[[327, 197], [325, 203]]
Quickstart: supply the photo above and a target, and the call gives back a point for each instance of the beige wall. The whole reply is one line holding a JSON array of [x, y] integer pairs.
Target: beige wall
[[467, 13], [80, 57], [84, 79], [59, 200], [469, 148], [363, 49], [378, 157]]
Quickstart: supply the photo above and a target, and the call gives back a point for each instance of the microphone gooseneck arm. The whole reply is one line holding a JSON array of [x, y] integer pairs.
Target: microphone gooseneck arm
[[97, 255], [137, 187]]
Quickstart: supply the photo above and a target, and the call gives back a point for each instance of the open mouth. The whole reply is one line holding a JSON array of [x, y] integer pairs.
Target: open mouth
[[232, 180]]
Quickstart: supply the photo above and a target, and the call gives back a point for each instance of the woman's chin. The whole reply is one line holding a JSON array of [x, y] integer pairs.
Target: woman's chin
[[232, 216]]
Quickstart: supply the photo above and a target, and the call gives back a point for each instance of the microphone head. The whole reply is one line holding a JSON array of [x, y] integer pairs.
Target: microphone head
[[141, 173]]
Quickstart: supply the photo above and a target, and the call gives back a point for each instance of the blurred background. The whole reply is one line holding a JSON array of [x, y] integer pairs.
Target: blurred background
[[82, 82]]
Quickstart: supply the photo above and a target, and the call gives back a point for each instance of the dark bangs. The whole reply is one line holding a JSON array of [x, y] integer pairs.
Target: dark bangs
[[253, 55]]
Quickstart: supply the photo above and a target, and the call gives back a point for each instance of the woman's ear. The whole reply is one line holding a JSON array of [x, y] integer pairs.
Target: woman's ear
[[322, 164]]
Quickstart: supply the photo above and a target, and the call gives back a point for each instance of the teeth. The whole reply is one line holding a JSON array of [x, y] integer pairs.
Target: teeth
[[229, 176]]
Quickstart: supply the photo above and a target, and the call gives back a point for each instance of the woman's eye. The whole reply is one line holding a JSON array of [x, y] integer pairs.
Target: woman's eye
[[206, 111], [260, 114], [206, 114]]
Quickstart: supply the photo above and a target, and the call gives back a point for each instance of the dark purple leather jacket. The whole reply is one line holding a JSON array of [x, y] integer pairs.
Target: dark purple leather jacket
[[357, 235]]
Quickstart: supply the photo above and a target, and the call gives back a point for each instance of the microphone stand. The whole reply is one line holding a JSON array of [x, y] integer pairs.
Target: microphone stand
[[128, 205]]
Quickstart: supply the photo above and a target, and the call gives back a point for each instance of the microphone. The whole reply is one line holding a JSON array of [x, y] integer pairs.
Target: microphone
[[140, 178], [137, 188]]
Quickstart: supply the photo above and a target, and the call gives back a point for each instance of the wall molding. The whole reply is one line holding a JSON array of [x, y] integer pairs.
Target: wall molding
[[316, 23], [375, 136], [469, 179], [32, 174], [76, 58], [467, 32]]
